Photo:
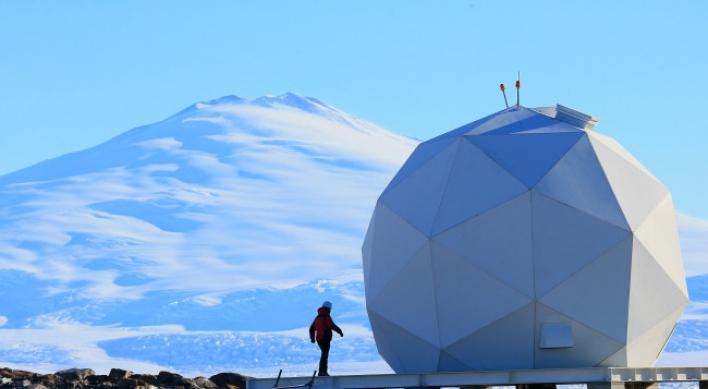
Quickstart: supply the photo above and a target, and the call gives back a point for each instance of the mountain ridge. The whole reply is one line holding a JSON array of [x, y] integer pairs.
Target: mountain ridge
[[44, 169]]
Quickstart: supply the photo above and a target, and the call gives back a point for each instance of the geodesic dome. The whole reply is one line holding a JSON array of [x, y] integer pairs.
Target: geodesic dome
[[523, 240]]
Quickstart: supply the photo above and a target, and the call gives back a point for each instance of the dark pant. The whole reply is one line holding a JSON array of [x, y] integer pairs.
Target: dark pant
[[324, 347]]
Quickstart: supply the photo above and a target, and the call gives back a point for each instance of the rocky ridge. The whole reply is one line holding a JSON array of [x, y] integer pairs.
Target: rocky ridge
[[116, 379]]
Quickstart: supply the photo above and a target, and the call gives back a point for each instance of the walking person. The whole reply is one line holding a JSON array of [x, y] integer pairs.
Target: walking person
[[321, 330]]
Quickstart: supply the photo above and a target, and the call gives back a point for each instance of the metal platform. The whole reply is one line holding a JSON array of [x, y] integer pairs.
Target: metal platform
[[595, 378]]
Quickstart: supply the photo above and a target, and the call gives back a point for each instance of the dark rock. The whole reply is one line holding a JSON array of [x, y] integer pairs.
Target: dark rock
[[148, 378], [100, 379], [165, 378], [116, 379], [132, 383], [127, 383], [188, 382], [203, 382], [233, 379], [49, 380], [22, 383], [21, 374], [75, 374], [119, 373]]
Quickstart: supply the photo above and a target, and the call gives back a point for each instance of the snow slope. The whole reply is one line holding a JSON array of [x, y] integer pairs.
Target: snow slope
[[216, 230], [204, 243]]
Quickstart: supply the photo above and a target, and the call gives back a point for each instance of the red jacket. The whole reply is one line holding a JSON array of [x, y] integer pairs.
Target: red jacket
[[323, 326]]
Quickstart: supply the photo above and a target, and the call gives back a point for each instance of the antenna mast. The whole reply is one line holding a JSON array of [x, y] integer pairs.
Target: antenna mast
[[503, 89], [518, 86]]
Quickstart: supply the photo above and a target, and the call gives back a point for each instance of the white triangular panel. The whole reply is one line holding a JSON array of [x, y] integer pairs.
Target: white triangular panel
[[421, 155], [533, 124], [526, 156], [476, 184], [646, 349], [566, 239], [579, 181], [502, 119], [467, 128], [553, 127], [598, 294], [367, 250], [617, 359], [395, 243], [653, 294], [414, 354], [448, 363], [507, 343], [590, 347], [409, 298], [417, 197], [381, 328], [638, 193], [597, 138], [487, 299], [658, 233], [498, 241]]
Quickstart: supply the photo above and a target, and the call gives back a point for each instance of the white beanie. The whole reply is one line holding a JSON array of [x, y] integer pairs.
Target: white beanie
[[327, 305]]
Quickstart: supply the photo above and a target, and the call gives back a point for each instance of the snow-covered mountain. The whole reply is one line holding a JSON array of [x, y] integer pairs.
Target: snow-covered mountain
[[201, 243], [204, 243]]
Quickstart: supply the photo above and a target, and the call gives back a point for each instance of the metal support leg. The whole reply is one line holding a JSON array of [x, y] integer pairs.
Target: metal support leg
[[536, 386], [641, 385]]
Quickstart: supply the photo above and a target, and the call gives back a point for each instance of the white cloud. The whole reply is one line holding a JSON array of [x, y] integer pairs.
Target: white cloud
[[685, 358]]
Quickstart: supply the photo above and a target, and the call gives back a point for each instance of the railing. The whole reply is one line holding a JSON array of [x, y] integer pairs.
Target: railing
[[488, 378]]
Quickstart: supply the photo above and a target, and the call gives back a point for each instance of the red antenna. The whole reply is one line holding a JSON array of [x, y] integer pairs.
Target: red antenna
[[503, 89], [518, 86]]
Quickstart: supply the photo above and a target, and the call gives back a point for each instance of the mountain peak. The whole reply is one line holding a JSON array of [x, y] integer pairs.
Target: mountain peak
[[202, 123], [289, 99]]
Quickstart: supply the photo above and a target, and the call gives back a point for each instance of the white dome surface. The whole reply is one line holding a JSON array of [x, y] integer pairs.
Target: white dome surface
[[521, 241]]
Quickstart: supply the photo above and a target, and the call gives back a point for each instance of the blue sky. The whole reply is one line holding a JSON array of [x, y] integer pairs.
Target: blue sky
[[74, 74]]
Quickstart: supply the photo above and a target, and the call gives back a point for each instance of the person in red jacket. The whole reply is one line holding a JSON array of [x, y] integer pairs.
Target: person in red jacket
[[321, 330]]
